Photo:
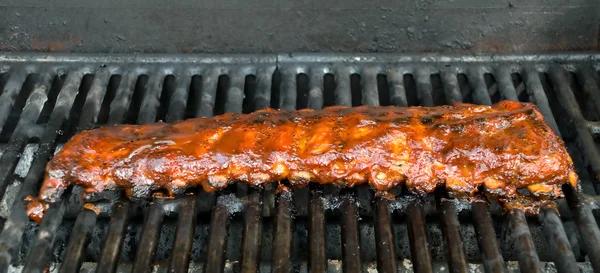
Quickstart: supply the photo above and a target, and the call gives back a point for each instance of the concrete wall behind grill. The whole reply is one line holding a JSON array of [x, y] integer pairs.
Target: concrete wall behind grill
[[185, 26]]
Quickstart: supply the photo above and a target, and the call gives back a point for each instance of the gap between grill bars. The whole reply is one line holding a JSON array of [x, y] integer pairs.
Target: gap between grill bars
[[47, 98]]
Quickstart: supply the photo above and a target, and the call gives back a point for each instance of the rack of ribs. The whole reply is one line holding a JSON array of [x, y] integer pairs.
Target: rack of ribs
[[463, 148]]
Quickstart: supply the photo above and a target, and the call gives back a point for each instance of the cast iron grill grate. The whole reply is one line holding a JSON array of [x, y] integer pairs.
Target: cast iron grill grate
[[47, 98]]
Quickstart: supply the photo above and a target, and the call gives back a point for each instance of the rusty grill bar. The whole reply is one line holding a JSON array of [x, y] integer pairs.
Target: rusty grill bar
[[47, 98]]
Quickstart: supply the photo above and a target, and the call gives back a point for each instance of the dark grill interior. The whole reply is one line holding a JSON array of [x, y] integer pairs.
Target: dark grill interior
[[45, 99]]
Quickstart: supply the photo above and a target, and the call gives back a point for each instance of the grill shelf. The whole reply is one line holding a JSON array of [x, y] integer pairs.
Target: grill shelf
[[47, 98]]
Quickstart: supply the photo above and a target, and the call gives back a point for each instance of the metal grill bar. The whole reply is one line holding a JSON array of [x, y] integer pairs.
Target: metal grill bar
[[179, 98], [113, 243], [81, 234], [396, 86], [424, 89], [318, 257], [282, 240], [477, 82], [558, 241], [289, 93], [205, 103], [528, 257], [588, 81], [37, 98], [505, 85], [252, 234], [370, 96], [235, 94], [11, 92], [120, 104], [364, 197], [342, 95], [148, 239], [417, 236], [315, 92], [587, 225], [262, 98], [369, 92], [91, 108], [38, 257], [151, 101], [215, 261], [268, 200], [451, 87], [537, 95], [7, 163], [350, 239], [486, 237], [385, 247], [451, 231], [182, 247]]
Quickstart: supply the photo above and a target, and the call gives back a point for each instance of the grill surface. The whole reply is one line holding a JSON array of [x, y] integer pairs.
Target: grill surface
[[45, 99]]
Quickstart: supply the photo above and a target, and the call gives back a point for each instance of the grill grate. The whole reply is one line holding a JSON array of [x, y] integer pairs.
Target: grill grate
[[247, 230]]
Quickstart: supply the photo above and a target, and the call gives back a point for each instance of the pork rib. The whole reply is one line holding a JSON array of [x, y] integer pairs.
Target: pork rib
[[464, 148]]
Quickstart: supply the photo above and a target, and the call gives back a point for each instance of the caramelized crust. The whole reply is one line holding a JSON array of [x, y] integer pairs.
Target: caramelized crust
[[464, 148]]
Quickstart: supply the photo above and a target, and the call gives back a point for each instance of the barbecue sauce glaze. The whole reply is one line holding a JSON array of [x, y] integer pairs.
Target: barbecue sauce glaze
[[464, 148]]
